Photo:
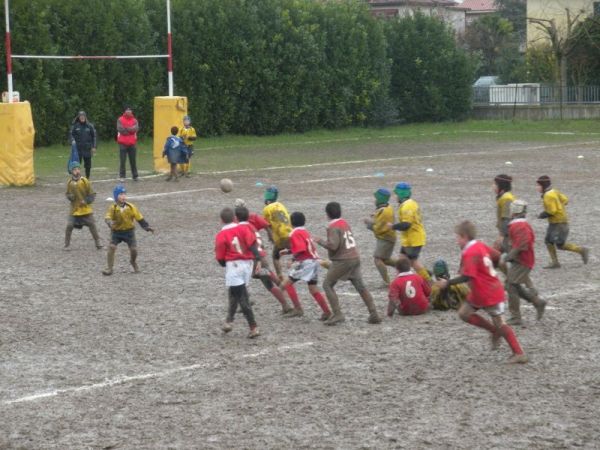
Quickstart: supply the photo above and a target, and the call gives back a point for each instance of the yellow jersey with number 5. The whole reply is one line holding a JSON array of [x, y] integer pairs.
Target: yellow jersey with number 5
[[278, 217], [410, 212]]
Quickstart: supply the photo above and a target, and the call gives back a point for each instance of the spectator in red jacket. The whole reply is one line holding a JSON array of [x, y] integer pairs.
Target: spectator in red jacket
[[127, 128]]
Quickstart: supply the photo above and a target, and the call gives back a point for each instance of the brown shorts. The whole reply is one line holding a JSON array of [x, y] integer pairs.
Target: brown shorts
[[517, 274], [344, 269], [384, 249]]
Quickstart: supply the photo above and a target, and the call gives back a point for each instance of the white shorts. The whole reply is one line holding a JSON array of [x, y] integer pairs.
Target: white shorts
[[494, 311], [238, 272], [306, 270]]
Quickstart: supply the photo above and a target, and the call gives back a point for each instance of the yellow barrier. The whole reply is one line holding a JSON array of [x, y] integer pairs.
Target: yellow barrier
[[168, 112], [16, 144]]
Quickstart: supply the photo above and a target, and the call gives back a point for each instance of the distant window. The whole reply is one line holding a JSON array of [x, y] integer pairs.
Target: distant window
[[597, 8]]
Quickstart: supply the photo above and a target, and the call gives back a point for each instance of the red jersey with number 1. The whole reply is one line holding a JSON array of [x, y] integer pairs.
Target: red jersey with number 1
[[476, 263], [301, 245], [233, 243], [411, 291]]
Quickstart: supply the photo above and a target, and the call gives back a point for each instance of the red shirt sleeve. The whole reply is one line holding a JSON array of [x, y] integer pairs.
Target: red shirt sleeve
[[249, 237], [394, 292], [469, 265], [220, 247], [259, 222]]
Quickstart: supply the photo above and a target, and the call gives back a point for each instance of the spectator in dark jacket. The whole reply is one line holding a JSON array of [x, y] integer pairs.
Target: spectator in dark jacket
[[83, 135]]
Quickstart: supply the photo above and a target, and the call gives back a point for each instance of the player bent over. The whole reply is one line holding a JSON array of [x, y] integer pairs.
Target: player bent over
[[520, 258], [80, 194], [386, 238], [409, 292], [120, 218], [236, 250], [555, 211], [451, 297], [305, 267], [487, 292], [268, 278], [345, 264], [411, 228], [279, 229]]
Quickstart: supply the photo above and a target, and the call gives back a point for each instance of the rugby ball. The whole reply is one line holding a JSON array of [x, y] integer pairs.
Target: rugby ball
[[226, 185]]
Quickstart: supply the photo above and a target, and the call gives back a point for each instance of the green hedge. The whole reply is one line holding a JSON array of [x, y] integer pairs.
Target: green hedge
[[247, 66]]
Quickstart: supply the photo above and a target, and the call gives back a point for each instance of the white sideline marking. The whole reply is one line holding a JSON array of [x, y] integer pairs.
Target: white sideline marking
[[362, 161], [163, 194], [126, 379]]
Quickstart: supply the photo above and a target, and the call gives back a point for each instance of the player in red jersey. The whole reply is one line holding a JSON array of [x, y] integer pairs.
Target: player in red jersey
[[409, 292], [520, 259], [487, 292], [236, 250], [269, 280], [345, 264], [305, 266]]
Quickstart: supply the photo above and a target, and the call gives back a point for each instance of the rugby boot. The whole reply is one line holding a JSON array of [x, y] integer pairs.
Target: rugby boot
[[585, 254], [254, 332], [294, 312], [374, 317], [335, 319], [336, 312], [515, 320], [540, 307], [110, 261], [286, 309], [133, 256], [518, 359], [325, 316]]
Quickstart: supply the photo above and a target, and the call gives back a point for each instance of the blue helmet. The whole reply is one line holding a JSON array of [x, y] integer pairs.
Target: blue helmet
[[72, 165], [403, 190], [382, 195], [119, 189], [271, 194]]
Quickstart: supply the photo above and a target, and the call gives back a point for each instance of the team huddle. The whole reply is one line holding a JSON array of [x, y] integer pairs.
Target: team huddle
[[413, 290]]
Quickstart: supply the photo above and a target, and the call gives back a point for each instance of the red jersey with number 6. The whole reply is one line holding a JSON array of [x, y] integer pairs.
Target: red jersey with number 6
[[476, 263], [411, 293], [340, 241], [301, 245], [233, 242]]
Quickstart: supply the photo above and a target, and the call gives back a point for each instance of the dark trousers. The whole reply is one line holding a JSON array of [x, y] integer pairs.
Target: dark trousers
[[87, 163], [238, 295], [125, 151]]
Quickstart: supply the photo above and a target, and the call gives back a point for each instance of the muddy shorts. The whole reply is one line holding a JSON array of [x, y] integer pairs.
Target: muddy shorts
[[344, 269], [284, 244], [79, 222], [517, 274], [238, 272], [306, 270], [494, 311], [411, 253], [127, 236], [384, 249], [557, 233]]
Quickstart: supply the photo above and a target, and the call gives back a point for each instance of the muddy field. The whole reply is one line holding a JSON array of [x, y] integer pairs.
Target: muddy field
[[139, 361]]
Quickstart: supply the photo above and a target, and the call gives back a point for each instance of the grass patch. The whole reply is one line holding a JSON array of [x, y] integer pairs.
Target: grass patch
[[236, 152]]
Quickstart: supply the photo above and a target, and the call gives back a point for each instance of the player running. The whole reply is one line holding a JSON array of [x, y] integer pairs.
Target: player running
[[555, 211], [385, 237], [487, 292], [504, 198], [279, 229]]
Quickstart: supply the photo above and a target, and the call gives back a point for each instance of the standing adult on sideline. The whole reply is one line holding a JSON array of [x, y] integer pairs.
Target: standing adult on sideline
[[127, 128], [83, 135]]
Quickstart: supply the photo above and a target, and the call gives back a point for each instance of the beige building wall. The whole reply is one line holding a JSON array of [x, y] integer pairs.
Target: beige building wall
[[554, 9]]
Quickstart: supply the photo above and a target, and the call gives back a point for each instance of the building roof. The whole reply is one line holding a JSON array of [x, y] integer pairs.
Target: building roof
[[387, 3], [479, 5]]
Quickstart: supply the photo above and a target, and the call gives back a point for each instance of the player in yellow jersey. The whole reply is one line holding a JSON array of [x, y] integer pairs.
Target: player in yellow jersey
[[386, 238], [120, 218], [188, 134], [410, 225], [451, 297], [555, 203], [504, 198], [81, 195], [279, 228]]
